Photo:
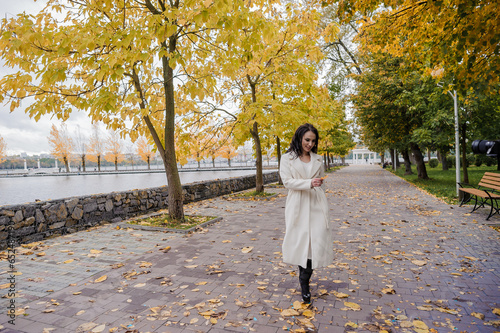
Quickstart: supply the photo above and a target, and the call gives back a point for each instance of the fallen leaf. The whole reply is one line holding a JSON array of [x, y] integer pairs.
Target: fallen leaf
[[102, 278], [247, 249], [420, 325], [69, 261], [419, 262], [477, 315], [351, 324], [95, 251], [496, 311], [339, 294], [388, 291], [165, 249], [352, 306], [194, 320], [80, 312], [40, 254], [98, 329], [308, 313], [48, 310], [139, 285], [289, 313]]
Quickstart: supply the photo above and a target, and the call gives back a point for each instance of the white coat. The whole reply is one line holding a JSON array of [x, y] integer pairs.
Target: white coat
[[306, 214]]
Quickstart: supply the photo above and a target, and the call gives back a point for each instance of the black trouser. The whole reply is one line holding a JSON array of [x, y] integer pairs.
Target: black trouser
[[304, 278]]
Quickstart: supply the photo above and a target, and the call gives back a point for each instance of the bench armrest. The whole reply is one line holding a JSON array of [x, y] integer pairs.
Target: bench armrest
[[465, 185]]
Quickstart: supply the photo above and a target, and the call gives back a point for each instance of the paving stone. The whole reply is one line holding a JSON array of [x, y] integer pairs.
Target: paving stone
[[383, 229]]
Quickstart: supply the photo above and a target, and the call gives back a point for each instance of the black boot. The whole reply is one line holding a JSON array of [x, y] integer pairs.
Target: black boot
[[304, 278]]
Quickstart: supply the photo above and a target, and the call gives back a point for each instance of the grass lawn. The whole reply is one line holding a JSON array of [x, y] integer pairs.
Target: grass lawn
[[442, 183]]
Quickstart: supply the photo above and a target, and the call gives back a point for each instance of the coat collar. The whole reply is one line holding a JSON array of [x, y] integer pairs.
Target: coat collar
[[299, 166]]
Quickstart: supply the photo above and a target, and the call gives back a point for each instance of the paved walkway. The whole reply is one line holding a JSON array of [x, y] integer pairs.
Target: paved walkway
[[405, 262]]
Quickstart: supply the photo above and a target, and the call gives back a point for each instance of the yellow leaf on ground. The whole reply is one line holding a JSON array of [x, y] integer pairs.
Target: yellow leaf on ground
[[496, 311], [351, 324], [339, 294], [308, 313], [247, 249], [69, 261], [95, 251], [420, 325], [298, 305], [419, 262], [477, 315], [40, 254], [352, 306], [102, 278], [289, 313]]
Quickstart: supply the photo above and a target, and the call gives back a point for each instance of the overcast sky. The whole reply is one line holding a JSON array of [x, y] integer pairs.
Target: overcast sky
[[21, 133]]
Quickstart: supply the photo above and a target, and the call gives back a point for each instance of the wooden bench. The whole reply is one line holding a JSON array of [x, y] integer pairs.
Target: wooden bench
[[486, 193]]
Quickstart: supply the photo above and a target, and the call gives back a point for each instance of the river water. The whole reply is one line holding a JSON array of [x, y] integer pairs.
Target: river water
[[17, 190]]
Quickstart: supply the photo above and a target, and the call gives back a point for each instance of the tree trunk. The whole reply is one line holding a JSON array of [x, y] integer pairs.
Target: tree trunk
[[419, 161], [406, 158], [464, 152], [259, 179], [324, 161], [83, 162], [229, 162], [66, 164], [393, 158], [382, 158], [99, 163], [213, 162], [254, 130], [278, 147], [149, 162], [442, 159], [175, 197]]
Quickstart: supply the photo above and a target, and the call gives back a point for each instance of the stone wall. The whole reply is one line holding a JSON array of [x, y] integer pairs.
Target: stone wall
[[30, 222]]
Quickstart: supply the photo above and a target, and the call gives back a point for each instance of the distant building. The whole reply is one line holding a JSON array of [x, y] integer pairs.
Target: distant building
[[24, 155]]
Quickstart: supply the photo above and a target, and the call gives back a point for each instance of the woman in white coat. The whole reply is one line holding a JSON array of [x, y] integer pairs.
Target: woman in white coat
[[308, 240]]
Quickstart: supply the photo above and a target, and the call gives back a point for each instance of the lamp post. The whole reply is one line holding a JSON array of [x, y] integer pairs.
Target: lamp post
[[457, 140]]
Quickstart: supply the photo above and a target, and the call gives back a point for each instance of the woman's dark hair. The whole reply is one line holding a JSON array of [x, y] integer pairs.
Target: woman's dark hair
[[296, 144]]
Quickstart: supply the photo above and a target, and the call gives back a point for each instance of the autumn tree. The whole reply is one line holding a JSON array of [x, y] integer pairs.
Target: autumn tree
[[61, 144], [145, 150], [228, 151], [3, 149], [279, 53], [114, 149], [96, 147], [124, 62], [80, 146], [458, 36]]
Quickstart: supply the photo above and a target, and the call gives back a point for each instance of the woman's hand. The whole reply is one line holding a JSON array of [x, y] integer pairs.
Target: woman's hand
[[315, 182]]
